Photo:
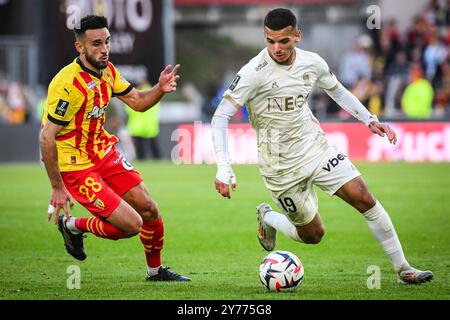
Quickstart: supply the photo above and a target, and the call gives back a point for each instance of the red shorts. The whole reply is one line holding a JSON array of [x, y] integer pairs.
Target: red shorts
[[99, 189]]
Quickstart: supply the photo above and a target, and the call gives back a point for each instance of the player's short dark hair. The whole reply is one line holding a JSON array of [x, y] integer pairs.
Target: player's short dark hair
[[90, 22], [280, 18]]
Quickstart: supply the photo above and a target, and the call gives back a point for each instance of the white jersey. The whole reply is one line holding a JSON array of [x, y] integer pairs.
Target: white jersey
[[288, 134]]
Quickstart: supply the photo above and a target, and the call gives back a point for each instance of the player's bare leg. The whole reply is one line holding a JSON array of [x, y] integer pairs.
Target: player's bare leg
[[355, 193], [126, 219], [123, 222], [151, 233], [313, 232], [271, 221]]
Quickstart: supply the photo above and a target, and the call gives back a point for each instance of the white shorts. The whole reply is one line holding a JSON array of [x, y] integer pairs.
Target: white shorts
[[294, 192]]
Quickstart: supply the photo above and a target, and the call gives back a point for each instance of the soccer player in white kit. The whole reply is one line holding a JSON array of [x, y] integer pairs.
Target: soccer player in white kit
[[293, 152]]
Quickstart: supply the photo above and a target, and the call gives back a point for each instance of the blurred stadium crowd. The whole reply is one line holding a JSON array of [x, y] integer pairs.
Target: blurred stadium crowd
[[395, 74], [402, 74]]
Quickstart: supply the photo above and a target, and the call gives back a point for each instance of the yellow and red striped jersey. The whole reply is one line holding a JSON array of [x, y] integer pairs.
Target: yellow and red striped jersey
[[77, 99]]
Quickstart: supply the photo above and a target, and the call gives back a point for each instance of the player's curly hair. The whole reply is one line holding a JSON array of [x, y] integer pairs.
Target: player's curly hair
[[280, 18], [90, 22]]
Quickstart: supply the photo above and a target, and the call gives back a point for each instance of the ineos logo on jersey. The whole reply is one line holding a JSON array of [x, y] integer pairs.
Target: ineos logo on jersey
[[333, 162], [96, 112], [275, 104]]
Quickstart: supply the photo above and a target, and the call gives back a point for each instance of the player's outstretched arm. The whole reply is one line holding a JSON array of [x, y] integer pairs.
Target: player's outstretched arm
[[142, 100], [60, 196], [346, 100], [219, 127]]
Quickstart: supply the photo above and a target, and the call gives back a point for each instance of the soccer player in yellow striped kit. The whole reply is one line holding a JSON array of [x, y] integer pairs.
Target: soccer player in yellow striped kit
[[81, 160]]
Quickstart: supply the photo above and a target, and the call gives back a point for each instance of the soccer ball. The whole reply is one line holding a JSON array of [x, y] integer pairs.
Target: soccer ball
[[281, 271]]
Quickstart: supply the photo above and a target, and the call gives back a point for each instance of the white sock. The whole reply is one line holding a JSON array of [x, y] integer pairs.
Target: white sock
[[282, 224], [382, 228], [152, 271], [70, 224]]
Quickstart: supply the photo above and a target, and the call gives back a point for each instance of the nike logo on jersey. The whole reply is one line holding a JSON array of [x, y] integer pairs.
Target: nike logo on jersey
[[333, 162]]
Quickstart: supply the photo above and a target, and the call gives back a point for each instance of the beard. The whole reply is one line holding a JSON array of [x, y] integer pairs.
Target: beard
[[96, 64]]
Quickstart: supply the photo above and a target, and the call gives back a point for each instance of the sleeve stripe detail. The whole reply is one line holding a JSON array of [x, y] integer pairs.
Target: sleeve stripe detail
[[130, 87], [113, 72], [232, 101], [335, 87], [57, 121]]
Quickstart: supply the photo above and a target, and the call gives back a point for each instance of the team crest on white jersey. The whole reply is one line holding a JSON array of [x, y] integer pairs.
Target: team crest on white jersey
[[306, 79]]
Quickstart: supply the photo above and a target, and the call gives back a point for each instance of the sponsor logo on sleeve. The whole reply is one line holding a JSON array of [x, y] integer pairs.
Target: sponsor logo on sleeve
[[235, 82], [261, 65], [61, 107]]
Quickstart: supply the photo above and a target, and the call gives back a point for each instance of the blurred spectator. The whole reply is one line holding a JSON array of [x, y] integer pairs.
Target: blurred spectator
[[16, 102], [210, 101], [418, 96], [355, 65], [116, 125], [397, 78], [443, 93], [435, 54], [375, 100], [417, 36], [361, 90], [390, 42], [144, 129]]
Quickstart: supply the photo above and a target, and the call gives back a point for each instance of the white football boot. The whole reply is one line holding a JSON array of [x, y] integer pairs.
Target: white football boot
[[414, 276], [266, 234]]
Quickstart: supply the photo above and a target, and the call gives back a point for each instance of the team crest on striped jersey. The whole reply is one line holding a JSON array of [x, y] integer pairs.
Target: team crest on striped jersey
[[99, 204], [91, 85]]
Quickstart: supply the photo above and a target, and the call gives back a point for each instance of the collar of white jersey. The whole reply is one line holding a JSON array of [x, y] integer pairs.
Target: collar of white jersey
[[282, 66]]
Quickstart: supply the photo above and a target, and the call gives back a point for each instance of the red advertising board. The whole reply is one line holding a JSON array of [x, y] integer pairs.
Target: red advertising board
[[417, 142]]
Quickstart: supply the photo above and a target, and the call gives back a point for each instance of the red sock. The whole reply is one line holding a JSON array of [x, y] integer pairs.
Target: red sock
[[152, 238], [98, 227]]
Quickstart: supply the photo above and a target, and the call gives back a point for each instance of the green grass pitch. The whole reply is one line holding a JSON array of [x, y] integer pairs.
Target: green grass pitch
[[213, 240]]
